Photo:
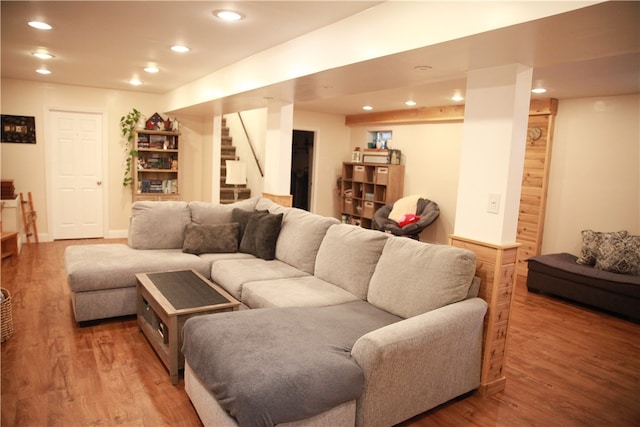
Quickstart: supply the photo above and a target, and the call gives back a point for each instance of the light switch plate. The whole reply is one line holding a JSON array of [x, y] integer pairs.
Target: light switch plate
[[493, 205]]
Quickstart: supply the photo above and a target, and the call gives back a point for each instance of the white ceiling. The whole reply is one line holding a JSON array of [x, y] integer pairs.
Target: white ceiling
[[588, 52]]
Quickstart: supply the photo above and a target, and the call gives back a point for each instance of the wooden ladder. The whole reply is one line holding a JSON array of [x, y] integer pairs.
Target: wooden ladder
[[29, 218]]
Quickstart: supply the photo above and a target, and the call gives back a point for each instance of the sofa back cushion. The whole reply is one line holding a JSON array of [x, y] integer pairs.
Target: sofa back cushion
[[413, 277], [300, 237], [264, 204], [347, 257], [203, 213], [158, 225]]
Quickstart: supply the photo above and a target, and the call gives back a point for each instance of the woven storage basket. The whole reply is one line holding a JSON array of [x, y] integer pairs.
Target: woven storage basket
[[6, 316]]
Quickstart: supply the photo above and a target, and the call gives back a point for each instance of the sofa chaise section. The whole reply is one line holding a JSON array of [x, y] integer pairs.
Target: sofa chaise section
[[102, 278]]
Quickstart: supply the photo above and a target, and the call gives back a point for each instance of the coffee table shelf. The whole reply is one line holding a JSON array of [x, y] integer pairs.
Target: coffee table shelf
[[166, 300]]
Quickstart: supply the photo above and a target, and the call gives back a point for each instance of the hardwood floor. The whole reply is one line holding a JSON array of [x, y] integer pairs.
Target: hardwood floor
[[567, 365]]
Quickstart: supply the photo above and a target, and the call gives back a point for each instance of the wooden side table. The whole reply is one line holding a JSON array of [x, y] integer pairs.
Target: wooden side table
[[9, 244], [166, 300]]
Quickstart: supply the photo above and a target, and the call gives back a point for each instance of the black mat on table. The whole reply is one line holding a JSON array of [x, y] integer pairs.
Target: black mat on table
[[185, 289]]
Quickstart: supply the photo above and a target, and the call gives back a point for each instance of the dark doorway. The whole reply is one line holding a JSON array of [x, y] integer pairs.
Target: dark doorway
[[301, 161]]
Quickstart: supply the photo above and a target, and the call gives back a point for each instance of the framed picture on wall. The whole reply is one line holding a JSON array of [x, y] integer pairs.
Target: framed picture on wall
[[18, 129]]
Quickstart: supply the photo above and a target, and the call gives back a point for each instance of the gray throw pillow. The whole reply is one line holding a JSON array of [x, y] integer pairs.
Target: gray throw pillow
[[590, 243], [210, 239], [619, 254], [261, 234], [242, 216]]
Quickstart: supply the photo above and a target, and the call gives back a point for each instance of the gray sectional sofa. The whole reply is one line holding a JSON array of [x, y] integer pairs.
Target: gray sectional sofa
[[383, 327]]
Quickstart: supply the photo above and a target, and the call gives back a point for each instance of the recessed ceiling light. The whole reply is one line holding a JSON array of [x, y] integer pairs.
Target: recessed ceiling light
[[410, 103], [135, 82], [457, 98], [367, 107], [40, 25], [539, 90], [43, 71], [180, 49], [42, 55], [151, 69], [228, 15]]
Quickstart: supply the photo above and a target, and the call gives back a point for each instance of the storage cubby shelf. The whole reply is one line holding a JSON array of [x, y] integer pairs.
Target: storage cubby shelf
[[366, 187]]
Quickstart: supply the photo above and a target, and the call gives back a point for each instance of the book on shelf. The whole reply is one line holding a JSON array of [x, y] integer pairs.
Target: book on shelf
[[165, 186]]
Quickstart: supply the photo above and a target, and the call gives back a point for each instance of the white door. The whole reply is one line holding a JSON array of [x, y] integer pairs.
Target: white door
[[77, 175]]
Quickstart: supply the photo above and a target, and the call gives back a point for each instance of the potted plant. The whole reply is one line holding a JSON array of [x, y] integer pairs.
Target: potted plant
[[128, 125]]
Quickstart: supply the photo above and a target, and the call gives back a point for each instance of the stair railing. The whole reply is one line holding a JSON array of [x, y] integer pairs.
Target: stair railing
[[253, 151]]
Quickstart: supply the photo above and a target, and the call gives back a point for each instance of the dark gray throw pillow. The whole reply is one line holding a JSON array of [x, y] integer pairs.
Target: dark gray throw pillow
[[209, 239], [261, 234], [242, 216]]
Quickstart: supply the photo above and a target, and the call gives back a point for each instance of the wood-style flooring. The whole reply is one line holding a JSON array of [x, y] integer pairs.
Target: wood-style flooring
[[567, 365]]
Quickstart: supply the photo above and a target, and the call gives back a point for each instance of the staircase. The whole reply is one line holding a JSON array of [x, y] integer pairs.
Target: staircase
[[228, 152]]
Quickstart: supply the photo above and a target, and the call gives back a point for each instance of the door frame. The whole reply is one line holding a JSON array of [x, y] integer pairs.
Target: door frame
[[312, 165], [49, 158]]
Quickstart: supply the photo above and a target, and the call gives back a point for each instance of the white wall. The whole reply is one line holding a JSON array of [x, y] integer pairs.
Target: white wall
[[330, 148], [26, 163], [431, 155], [255, 122], [594, 179]]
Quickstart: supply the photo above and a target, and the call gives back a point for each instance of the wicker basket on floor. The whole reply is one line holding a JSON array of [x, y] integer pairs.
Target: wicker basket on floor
[[6, 316]]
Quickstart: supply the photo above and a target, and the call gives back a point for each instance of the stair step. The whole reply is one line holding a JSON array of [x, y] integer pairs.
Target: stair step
[[228, 150], [224, 186], [229, 190], [227, 194]]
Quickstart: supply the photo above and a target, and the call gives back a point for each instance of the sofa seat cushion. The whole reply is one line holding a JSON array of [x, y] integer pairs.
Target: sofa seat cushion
[[232, 274], [276, 365], [109, 266], [306, 291], [211, 258], [413, 277]]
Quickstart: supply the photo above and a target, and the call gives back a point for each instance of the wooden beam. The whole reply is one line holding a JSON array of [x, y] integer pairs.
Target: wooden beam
[[411, 116], [545, 106], [448, 113]]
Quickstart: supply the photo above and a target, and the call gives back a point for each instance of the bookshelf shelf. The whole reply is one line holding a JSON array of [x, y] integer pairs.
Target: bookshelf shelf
[[157, 171]]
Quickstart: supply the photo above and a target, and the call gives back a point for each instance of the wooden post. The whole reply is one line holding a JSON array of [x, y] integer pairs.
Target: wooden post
[[496, 267]]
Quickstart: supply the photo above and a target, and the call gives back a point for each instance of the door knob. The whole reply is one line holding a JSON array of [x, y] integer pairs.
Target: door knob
[[99, 182]]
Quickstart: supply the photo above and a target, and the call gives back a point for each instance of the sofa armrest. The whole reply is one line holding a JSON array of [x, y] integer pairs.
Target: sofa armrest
[[420, 362]]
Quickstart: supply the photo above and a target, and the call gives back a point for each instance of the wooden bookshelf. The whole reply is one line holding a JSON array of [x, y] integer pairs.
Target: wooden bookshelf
[[156, 168], [366, 187]]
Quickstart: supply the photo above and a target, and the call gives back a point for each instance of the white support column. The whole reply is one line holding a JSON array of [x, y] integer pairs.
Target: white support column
[[277, 164], [492, 159], [491, 165]]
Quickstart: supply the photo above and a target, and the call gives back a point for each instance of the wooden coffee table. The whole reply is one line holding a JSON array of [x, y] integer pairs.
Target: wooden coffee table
[[166, 300]]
